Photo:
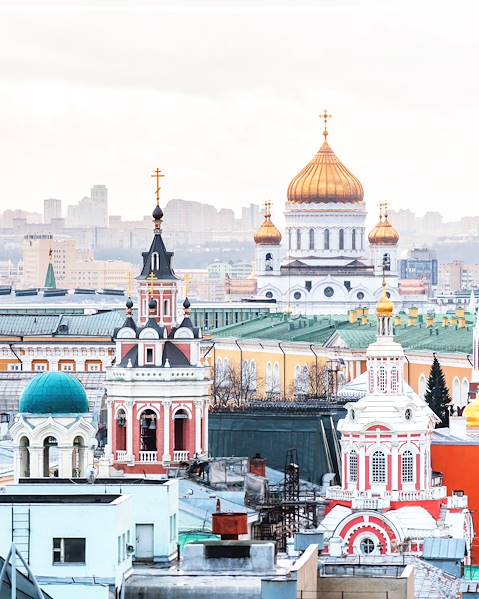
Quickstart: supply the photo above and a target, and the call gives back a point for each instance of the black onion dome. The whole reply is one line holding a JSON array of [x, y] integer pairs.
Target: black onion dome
[[186, 303], [157, 213], [129, 303], [152, 304]]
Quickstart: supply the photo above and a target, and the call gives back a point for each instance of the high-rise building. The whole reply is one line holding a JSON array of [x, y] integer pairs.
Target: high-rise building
[[99, 200], [90, 211], [52, 209], [420, 264]]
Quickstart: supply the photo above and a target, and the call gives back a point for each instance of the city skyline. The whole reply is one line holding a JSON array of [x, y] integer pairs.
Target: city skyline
[[236, 127]]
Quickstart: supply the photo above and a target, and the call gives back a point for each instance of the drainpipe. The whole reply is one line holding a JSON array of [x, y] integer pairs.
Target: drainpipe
[[10, 345], [468, 356], [316, 367], [241, 370], [284, 368], [407, 380]]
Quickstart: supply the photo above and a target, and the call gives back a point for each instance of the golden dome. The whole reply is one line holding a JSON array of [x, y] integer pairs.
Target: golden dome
[[267, 234], [384, 307], [325, 179], [383, 233], [471, 414]]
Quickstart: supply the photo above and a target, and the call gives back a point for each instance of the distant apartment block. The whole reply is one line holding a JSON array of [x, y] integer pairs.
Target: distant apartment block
[[420, 264], [90, 211], [52, 210], [457, 276]]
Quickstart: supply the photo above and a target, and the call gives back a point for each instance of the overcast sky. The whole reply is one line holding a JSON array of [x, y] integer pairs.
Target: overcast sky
[[226, 100]]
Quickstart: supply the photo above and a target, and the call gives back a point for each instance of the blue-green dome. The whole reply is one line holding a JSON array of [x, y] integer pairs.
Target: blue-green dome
[[54, 393]]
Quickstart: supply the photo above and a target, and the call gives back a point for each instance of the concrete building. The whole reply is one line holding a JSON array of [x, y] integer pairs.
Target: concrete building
[[457, 276], [36, 257], [52, 210], [90, 211], [420, 264]]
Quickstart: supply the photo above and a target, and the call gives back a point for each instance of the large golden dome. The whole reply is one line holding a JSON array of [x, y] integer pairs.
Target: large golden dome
[[267, 234], [325, 179], [471, 414], [383, 233]]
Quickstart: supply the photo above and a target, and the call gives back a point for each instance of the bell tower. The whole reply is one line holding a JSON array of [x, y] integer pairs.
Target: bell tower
[[157, 280]]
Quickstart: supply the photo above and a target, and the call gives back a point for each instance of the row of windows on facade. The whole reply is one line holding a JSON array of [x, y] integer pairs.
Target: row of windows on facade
[[357, 237], [249, 374], [384, 383], [378, 467], [64, 367]]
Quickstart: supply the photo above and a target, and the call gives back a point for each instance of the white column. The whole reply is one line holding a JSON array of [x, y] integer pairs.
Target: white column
[[422, 482], [198, 427], [362, 468], [160, 308], [205, 427], [166, 432], [129, 432], [109, 429], [36, 462], [395, 467], [65, 462]]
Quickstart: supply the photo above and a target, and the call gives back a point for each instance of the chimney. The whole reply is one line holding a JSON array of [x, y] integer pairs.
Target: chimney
[[229, 525], [257, 465]]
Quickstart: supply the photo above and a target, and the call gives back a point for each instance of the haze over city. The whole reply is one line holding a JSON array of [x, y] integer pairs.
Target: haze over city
[[225, 99]]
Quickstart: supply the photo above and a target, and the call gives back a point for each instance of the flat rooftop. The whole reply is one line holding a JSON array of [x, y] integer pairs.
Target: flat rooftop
[[64, 499], [117, 480]]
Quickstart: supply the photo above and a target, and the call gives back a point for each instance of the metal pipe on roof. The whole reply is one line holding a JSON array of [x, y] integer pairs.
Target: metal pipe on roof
[[284, 368]]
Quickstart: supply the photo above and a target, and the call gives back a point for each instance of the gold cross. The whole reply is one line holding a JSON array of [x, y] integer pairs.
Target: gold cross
[[157, 174], [267, 209], [325, 116], [383, 209], [152, 282]]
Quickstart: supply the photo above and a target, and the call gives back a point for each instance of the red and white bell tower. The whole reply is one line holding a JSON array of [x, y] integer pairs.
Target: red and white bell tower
[[389, 501], [158, 388]]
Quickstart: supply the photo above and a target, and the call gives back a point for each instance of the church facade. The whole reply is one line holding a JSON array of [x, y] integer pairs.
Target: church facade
[[326, 262], [390, 500], [158, 388]]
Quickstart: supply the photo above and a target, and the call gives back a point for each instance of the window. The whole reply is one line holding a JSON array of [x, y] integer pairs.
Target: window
[[39, 367], [394, 379], [269, 294], [308, 285], [326, 239], [93, 367], [13, 367], [155, 261], [367, 546], [268, 264], [341, 239], [382, 379], [172, 527], [297, 295], [289, 239], [353, 239], [371, 380], [149, 355], [329, 292], [407, 467], [166, 307], [68, 551], [298, 239], [378, 467], [353, 466], [68, 367], [360, 295], [311, 239]]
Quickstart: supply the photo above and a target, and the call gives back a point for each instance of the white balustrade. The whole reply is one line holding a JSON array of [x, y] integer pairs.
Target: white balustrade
[[121, 455], [360, 498], [181, 455], [148, 457]]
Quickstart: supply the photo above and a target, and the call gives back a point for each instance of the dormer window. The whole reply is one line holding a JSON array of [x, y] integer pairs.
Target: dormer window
[[155, 261], [149, 355]]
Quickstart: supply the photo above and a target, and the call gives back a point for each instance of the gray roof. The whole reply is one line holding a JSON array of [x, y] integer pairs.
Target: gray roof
[[449, 549]]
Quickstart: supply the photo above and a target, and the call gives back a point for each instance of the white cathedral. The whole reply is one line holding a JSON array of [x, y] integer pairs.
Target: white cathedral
[[326, 263]]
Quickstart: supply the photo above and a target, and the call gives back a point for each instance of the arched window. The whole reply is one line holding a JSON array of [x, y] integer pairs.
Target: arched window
[[298, 384], [326, 239], [305, 380], [407, 463], [353, 239], [311, 239], [382, 379], [456, 392], [252, 375], [378, 467], [268, 261], [155, 261], [148, 430], [181, 426], [298, 239], [421, 386], [394, 379], [269, 378], [290, 244], [353, 466], [276, 381], [341, 239]]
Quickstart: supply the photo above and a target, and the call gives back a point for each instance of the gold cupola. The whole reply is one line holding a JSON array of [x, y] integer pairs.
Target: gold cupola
[[325, 179], [384, 307], [471, 414], [383, 233], [267, 234]]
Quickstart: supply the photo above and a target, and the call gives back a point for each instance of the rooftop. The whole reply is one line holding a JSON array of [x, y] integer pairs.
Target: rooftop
[[323, 330], [64, 499]]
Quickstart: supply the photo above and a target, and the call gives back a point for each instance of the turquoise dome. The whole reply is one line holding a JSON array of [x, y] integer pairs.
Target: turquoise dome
[[54, 393]]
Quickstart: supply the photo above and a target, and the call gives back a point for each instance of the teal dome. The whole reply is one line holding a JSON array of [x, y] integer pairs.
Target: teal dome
[[54, 393]]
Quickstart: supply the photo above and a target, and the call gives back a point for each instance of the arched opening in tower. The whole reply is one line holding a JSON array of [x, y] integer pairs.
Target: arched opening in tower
[[78, 457], [148, 430], [50, 457], [181, 427], [24, 457]]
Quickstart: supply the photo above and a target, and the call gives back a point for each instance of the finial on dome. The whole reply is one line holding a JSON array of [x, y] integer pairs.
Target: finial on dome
[[267, 209], [267, 234], [129, 306], [383, 233], [152, 307], [384, 307], [157, 212], [325, 116], [187, 306]]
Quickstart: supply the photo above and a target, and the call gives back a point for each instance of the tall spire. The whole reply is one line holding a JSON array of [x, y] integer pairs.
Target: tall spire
[[50, 281]]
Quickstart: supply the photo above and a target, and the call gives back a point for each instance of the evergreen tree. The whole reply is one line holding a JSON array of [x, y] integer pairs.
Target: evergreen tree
[[437, 394]]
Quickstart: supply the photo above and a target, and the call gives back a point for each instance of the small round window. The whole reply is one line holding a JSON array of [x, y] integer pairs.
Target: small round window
[[388, 294], [408, 414], [297, 295], [360, 295], [367, 546], [329, 292], [269, 294]]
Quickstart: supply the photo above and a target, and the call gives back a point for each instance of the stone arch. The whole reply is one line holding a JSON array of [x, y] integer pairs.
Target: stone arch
[[464, 392], [456, 391], [340, 292], [181, 428], [421, 386], [79, 457], [50, 456], [24, 456], [355, 526], [148, 424]]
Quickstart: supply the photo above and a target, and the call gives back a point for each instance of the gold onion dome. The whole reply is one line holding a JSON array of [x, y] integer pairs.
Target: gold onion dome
[[384, 307], [267, 234], [325, 179], [471, 414], [383, 233]]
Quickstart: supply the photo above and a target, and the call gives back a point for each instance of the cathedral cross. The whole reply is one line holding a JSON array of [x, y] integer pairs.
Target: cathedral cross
[[267, 209], [157, 175], [152, 283], [325, 116]]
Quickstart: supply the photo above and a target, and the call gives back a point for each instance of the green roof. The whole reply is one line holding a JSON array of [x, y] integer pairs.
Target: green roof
[[319, 329], [54, 393], [50, 282]]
